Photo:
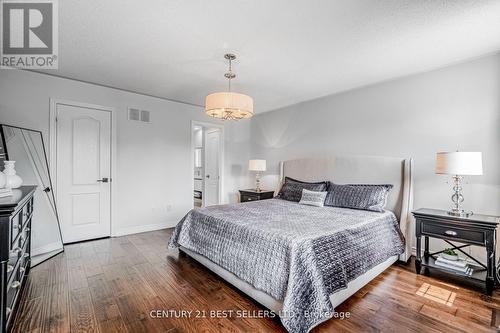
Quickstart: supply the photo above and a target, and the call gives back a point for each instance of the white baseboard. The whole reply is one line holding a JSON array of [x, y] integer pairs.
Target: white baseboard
[[136, 229], [46, 249], [35, 260]]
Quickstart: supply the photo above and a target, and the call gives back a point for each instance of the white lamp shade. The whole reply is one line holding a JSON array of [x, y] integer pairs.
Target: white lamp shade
[[459, 163], [224, 105], [257, 165]]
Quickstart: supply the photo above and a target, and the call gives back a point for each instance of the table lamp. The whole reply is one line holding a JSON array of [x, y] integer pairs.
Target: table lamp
[[258, 166], [459, 164]]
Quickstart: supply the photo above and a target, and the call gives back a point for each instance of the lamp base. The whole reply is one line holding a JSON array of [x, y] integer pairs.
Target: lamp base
[[459, 213], [257, 182], [458, 198]]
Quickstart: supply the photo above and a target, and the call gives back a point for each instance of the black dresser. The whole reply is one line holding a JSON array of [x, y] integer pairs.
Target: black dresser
[[15, 250]]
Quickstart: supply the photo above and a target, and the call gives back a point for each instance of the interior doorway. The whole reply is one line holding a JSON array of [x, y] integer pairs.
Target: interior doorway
[[207, 152], [81, 145]]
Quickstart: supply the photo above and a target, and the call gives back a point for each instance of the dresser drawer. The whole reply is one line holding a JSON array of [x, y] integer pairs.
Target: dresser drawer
[[19, 251], [16, 224], [14, 286], [452, 232], [26, 213], [11, 264], [14, 254], [24, 235]]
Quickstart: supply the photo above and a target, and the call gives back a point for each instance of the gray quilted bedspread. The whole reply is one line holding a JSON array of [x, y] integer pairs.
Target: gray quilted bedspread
[[297, 254]]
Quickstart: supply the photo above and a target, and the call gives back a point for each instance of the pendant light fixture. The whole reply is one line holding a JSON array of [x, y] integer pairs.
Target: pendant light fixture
[[229, 105]]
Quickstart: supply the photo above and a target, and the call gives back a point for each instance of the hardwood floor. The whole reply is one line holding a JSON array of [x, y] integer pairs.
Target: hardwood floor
[[112, 285]]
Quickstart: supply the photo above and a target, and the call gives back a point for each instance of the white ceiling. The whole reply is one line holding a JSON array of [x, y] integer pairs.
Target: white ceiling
[[288, 51]]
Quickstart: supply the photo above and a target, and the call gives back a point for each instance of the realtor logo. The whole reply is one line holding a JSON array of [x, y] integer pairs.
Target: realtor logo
[[29, 34]]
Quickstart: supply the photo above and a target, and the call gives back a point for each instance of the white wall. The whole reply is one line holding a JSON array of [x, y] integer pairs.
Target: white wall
[[154, 175], [455, 107], [452, 108]]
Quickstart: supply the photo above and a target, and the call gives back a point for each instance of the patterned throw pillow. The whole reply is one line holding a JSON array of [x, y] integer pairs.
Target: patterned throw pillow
[[366, 197], [313, 198], [292, 189]]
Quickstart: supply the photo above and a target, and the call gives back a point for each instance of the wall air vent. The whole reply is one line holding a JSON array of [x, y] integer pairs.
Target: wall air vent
[[139, 115], [145, 116]]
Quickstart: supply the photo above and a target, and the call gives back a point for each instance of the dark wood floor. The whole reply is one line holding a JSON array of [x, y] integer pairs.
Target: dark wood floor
[[111, 285]]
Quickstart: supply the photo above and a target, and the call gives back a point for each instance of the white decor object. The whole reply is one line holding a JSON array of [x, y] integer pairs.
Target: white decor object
[[449, 256], [313, 198], [229, 105], [459, 164], [12, 180], [258, 166]]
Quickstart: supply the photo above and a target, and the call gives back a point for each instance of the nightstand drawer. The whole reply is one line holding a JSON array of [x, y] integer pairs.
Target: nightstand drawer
[[253, 195], [440, 231], [246, 198]]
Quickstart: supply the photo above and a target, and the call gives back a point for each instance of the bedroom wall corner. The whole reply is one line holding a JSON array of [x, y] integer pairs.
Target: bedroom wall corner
[[457, 107]]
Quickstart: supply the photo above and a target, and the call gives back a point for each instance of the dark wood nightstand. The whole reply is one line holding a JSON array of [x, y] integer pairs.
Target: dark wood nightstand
[[253, 195], [476, 229]]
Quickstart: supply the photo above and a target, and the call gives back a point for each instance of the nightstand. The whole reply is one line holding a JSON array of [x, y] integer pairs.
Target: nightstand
[[253, 195], [479, 230]]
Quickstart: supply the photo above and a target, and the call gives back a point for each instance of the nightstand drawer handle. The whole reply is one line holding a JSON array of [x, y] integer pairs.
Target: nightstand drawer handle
[[450, 233]]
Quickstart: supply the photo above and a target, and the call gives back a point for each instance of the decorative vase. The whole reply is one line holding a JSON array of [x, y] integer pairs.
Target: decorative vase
[[2, 180], [12, 180]]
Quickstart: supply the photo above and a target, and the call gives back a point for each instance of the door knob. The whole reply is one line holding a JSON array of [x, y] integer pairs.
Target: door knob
[[208, 176], [103, 180]]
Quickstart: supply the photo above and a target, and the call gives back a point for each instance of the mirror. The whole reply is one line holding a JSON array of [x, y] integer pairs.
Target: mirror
[[197, 157], [27, 148]]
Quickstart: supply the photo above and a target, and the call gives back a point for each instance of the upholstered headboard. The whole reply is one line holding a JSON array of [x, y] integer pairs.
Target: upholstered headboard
[[363, 170]]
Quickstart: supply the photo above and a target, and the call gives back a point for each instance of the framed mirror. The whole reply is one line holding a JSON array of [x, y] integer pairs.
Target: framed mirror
[[26, 147]]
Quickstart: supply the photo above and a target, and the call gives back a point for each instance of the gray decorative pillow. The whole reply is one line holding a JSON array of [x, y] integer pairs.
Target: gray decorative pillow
[[362, 196], [313, 198], [292, 189]]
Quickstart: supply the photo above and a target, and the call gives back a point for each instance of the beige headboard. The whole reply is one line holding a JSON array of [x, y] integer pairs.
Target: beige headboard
[[363, 170]]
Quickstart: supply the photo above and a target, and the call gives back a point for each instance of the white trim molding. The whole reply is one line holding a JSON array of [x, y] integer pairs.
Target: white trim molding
[[51, 247], [136, 229]]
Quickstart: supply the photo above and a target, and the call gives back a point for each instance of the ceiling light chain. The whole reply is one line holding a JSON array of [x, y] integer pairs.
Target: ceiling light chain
[[230, 75]]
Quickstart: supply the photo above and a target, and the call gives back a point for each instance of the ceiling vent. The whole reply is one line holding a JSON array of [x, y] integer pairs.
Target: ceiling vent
[[139, 115]]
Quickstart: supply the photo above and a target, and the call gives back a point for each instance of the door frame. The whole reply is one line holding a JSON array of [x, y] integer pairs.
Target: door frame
[[195, 123], [54, 102]]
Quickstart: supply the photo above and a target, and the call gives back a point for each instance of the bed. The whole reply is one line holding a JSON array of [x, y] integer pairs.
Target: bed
[[301, 261]]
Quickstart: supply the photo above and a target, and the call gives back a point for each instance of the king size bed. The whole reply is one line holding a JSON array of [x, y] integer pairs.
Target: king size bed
[[302, 261]]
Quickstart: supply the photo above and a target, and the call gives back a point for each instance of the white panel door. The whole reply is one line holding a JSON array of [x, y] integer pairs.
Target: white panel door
[[83, 172], [212, 168]]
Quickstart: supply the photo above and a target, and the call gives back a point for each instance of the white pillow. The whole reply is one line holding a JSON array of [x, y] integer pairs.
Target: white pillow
[[313, 198]]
